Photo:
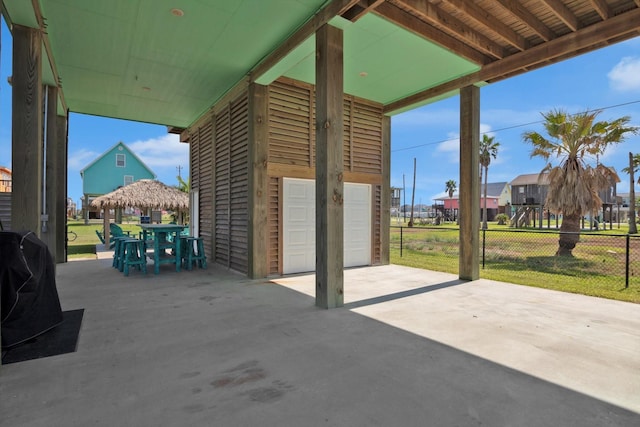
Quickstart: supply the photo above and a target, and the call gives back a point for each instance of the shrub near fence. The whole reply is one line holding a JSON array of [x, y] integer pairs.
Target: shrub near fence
[[606, 265]]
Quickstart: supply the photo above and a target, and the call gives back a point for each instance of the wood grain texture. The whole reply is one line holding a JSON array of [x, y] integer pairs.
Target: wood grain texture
[[469, 183], [26, 137], [258, 139], [329, 168]]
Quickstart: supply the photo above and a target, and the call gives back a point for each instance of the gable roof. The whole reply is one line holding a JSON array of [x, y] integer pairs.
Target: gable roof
[[530, 179], [113, 148], [494, 189]]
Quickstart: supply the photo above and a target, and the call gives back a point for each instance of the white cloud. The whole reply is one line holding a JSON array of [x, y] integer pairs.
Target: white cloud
[[161, 152], [625, 75], [451, 147], [80, 159]]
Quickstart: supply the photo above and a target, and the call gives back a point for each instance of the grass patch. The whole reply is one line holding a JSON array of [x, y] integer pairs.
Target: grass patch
[[526, 257]]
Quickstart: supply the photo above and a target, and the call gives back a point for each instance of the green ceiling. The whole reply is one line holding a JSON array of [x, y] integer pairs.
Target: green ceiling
[[134, 59]]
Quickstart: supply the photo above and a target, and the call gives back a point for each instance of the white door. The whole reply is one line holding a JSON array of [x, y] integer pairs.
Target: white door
[[299, 225], [357, 224]]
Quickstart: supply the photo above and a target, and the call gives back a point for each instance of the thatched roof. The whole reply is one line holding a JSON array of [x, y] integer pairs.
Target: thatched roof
[[146, 193]]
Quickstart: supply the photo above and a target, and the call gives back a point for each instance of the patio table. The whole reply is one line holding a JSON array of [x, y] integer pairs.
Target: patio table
[[165, 236]]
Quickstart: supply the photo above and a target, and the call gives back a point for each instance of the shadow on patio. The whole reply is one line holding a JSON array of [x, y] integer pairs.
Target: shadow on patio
[[411, 347]]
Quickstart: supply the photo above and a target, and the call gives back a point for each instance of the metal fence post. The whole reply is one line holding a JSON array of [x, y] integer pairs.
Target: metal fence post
[[484, 240], [401, 241], [626, 275]]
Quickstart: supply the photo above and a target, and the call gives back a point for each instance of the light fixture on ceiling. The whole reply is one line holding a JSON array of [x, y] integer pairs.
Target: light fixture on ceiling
[[177, 12], [363, 74]]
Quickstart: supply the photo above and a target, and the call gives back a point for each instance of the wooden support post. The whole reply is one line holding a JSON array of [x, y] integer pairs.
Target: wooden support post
[[54, 175], [26, 135], [329, 168], [469, 268], [107, 229], [385, 216], [61, 201], [258, 190]]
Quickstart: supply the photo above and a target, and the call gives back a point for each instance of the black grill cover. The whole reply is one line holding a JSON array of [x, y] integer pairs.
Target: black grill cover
[[30, 303]]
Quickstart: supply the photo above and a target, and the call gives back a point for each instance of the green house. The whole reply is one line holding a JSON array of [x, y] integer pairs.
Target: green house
[[116, 167]]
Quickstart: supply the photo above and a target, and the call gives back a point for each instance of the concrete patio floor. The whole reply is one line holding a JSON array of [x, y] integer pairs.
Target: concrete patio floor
[[410, 348]]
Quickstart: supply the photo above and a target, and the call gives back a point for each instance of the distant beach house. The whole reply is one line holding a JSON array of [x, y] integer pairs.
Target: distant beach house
[[116, 167], [498, 198]]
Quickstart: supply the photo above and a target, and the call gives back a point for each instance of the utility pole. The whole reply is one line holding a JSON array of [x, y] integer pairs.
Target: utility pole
[[179, 170], [404, 199]]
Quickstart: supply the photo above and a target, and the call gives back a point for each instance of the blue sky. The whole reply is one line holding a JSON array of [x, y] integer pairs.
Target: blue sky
[[606, 78]]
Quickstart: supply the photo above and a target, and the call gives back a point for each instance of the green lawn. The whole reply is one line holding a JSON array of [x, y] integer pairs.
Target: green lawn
[[527, 258], [84, 246]]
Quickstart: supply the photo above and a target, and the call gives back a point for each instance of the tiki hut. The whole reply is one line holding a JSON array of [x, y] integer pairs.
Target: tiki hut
[[144, 194]]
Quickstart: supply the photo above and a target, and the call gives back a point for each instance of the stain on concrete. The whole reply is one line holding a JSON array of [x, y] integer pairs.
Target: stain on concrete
[[193, 409], [207, 298], [189, 374], [264, 394]]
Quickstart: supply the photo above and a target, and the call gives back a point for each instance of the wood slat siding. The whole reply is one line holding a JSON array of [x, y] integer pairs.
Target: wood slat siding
[[222, 187], [292, 147], [377, 225], [290, 124], [5, 210], [194, 166], [274, 225], [205, 184], [239, 218]]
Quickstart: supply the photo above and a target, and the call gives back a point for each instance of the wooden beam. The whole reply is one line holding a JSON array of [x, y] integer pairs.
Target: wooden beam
[[324, 15], [329, 168], [627, 24], [453, 26], [258, 136], [26, 135], [61, 201], [47, 48], [469, 197], [602, 8], [385, 220], [563, 13], [490, 22], [360, 9], [417, 26], [54, 181], [527, 18]]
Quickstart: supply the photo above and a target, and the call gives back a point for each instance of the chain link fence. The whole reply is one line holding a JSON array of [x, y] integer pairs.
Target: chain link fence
[[518, 255]]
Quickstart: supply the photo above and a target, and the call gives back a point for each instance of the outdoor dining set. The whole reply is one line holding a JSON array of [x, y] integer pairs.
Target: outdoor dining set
[[168, 244]]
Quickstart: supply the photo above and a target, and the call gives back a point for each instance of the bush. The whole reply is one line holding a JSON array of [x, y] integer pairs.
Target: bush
[[502, 219]]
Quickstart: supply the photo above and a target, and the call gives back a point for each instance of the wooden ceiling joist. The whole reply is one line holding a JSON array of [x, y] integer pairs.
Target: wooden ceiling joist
[[563, 12], [491, 23], [613, 29], [602, 8], [360, 9], [454, 27], [417, 26], [527, 18]]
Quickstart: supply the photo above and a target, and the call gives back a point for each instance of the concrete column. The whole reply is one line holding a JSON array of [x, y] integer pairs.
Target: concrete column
[[26, 140], [329, 168], [469, 199]]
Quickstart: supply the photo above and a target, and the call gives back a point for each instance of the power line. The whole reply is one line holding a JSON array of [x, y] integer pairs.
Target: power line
[[510, 127]]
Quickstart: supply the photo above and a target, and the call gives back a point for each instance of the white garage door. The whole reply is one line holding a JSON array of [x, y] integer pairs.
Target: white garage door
[[299, 225]]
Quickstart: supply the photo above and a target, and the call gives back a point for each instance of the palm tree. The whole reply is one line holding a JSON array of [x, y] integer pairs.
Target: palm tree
[[634, 163], [488, 149], [574, 184], [451, 187], [183, 185]]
